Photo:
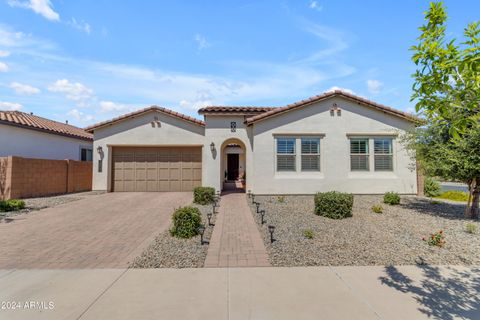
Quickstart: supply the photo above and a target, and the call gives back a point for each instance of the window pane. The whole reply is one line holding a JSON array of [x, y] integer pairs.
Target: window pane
[[310, 163], [383, 162], [83, 154], [383, 146], [359, 162], [285, 163], [286, 146], [359, 146], [89, 155], [310, 145]]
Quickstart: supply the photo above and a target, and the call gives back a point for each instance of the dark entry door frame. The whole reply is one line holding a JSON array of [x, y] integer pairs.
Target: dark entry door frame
[[232, 166]]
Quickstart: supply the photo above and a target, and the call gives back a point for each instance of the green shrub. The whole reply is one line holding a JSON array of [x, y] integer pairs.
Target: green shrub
[[454, 195], [308, 233], [377, 209], [203, 195], [12, 205], [186, 221], [281, 199], [391, 198], [431, 187], [334, 205], [436, 239], [471, 228]]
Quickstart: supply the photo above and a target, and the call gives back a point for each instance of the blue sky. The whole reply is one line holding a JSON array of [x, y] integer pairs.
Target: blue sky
[[88, 61]]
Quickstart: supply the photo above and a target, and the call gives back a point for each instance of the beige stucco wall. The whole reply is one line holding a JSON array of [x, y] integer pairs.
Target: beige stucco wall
[[21, 142], [141, 131], [335, 151], [218, 131]]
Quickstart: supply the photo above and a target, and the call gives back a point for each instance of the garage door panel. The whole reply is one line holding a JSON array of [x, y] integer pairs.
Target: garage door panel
[[197, 174], [156, 168]]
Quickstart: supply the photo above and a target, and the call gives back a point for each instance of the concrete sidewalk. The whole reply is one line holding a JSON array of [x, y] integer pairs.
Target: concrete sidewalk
[[406, 292]]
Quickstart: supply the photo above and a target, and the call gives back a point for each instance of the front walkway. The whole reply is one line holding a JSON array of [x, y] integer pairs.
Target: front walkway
[[403, 292], [236, 241]]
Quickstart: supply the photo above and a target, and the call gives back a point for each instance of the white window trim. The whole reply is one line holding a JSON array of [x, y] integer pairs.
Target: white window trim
[[298, 173], [385, 154], [369, 146], [287, 154], [371, 163], [319, 154]]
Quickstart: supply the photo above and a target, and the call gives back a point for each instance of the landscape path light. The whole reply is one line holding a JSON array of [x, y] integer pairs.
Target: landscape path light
[[271, 229], [258, 206], [209, 217], [201, 230], [262, 215]]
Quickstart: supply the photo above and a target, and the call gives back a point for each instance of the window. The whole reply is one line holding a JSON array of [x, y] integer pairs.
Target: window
[[286, 154], [359, 155], [85, 154], [310, 154], [383, 154]]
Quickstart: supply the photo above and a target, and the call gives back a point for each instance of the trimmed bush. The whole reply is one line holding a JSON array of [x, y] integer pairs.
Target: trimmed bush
[[186, 221], [308, 233], [431, 187], [12, 205], [391, 198], [333, 204], [377, 209], [203, 195], [471, 228]]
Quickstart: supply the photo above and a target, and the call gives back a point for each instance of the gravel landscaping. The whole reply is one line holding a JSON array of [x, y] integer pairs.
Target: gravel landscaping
[[34, 204], [393, 237], [171, 252]]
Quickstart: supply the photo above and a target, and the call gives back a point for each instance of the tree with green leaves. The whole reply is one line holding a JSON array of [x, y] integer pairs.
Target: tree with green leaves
[[447, 93], [447, 80]]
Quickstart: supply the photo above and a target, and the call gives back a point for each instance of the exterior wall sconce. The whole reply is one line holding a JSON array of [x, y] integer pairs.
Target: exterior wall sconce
[[100, 161], [100, 150], [212, 146]]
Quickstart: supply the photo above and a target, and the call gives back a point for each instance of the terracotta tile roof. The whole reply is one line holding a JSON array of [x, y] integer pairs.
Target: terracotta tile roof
[[30, 121], [143, 111], [326, 95], [234, 109]]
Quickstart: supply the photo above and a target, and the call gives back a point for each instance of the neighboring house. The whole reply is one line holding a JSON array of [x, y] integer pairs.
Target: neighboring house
[[29, 136], [334, 141]]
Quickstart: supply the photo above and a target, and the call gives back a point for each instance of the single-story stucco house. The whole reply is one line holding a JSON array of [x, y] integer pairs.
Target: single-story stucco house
[[30, 136], [333, 141]]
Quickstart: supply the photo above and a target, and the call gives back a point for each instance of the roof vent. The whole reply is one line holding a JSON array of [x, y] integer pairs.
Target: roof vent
[[66, 121], [31, 113]]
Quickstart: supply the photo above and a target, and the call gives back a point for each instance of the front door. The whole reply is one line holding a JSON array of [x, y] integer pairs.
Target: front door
[[232, 166]]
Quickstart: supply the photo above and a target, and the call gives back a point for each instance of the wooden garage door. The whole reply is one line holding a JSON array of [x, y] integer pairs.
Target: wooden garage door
[[156, 169]]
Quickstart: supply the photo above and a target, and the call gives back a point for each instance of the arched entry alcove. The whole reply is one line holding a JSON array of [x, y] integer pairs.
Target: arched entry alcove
[[233, 165]]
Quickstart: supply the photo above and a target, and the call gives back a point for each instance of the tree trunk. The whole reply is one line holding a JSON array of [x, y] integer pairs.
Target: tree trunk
[[473, 208]]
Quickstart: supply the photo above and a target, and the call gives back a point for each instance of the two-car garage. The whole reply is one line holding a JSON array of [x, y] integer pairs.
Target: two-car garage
[[156, 168]]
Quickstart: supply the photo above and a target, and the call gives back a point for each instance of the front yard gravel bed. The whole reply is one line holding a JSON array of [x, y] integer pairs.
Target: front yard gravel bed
[[171, 252], [35, 204], [393, 237]]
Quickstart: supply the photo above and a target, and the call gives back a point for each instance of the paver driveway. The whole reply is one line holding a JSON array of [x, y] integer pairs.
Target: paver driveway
[[100, 231]]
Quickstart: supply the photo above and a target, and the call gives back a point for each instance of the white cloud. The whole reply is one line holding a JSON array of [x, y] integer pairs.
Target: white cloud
[[374, 86], [202, 42], [73, 91], [41, 7], [24, 88], [3, 67], [4, 53], [110, 106], [80, 116], [411, 110], [335, 41], [10, 106], [80, 25], [314, 5], [341, 89]]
